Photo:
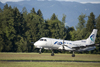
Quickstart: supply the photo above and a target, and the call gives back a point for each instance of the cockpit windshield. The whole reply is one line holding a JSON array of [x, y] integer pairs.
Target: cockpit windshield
[[43, 40]]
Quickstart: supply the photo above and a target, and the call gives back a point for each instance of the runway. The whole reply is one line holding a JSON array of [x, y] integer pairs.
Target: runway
[[48, 61]]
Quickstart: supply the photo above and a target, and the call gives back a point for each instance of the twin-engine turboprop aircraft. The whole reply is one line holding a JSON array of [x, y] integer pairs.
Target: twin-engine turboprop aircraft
[[58, 44]]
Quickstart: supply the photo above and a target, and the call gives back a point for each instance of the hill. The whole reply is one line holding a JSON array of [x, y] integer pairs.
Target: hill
[[71, 9]]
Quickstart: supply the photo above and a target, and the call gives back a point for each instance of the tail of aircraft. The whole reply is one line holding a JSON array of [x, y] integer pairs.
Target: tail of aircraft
[[92, 37]]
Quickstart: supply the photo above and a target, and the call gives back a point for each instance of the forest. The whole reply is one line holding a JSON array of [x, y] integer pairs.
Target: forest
[[19, 29]]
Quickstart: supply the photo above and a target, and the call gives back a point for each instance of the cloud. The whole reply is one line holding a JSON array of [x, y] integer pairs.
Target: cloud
[[40, 0], [82, 1], [44, 0], [90, 2], [4, 1]]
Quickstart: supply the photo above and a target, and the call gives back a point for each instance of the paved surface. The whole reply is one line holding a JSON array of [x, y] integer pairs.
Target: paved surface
[[48, 61]]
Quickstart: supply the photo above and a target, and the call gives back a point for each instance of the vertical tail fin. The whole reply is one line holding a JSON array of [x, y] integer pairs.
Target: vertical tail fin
[[92, 37]]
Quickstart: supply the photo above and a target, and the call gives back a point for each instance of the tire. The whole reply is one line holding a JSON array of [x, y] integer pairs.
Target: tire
[[73, 55], [52, 54], [39, 52]]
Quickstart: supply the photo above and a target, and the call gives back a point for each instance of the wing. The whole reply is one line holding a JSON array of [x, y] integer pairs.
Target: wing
[[85, 46]]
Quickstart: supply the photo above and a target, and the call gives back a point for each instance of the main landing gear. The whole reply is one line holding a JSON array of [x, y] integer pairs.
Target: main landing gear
[[52, 54], [73, 55]]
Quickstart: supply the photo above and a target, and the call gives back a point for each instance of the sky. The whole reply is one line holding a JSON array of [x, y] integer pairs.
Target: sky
[[81, 1]]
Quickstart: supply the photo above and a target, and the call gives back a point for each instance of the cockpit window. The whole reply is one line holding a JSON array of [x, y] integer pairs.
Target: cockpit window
[[43, 40]]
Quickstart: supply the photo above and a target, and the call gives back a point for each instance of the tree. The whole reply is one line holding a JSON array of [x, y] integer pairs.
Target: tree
[[97, 50], [33, 11], [5, 7], [1, 32], [0, 10], [91, 22], [64, 19], [54, 17], [82, 21], [1, 42], [69, 29], [32, 27], [21, 44], [98, 27], [7, 28], [63, 31], [24, 12], [56, 29], [39, 13]]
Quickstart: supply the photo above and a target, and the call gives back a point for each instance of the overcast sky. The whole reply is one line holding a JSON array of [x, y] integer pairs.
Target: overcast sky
[[81, 1]]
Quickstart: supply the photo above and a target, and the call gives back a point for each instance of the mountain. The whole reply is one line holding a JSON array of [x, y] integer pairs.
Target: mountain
[[1, 5], [71, 9]]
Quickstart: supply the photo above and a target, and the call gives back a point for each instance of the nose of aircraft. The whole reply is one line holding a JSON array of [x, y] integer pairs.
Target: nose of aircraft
[[39, 44], [36, 44]]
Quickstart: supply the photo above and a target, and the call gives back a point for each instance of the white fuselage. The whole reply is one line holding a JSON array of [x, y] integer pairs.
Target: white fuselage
[[50, 43]]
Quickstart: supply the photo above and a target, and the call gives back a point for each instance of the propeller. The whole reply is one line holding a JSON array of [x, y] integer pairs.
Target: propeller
[[63, 45]]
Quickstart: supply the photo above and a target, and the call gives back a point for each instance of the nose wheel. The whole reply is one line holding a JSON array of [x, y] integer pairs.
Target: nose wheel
[[40, 51]]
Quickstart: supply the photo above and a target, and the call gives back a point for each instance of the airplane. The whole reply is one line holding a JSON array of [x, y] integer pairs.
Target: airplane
[[58, 44]]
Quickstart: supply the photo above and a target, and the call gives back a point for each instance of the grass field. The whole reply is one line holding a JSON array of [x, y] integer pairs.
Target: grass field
[[47, 56], [48, 64]]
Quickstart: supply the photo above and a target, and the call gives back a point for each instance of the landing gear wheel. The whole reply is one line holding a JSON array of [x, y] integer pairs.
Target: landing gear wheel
[[52, 54], [40, 51], [73, 55]]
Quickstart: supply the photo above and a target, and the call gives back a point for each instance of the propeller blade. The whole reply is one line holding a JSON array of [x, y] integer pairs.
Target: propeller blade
[[63, 45]]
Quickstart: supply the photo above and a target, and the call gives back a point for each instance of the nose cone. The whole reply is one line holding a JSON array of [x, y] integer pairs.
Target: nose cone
[[40, 44], [36, 44]]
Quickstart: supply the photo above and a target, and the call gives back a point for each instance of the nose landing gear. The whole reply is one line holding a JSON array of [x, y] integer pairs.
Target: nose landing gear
[[40, 51]]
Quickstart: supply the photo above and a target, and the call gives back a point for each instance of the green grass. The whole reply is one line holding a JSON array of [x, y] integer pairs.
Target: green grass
[[47, 64], [47, 56]]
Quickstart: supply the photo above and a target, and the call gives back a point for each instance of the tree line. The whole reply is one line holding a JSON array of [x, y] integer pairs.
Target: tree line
[[19, 29]]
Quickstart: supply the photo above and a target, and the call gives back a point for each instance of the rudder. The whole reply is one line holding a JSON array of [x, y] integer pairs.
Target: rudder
[[92, 37]]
